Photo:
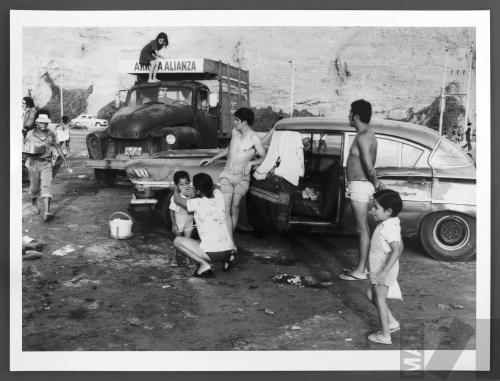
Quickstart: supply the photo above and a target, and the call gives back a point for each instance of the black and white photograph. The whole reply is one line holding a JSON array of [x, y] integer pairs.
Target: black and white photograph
[[250, 190]]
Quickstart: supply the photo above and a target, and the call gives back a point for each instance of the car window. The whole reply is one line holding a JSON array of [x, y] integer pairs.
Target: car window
[[203, 100], [410, 155], [327, 144], [388, 153], [448, 154]]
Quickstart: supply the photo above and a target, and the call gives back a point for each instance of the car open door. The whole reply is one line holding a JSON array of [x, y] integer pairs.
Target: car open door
[[269, 204]]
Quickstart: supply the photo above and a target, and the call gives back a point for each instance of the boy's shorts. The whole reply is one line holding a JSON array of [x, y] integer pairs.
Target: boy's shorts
[[184, 222], [234, 183], [360, 191], [40, 173]]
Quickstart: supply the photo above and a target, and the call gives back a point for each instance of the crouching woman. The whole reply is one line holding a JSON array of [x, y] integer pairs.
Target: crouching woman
[[39, 144], [216, 244]]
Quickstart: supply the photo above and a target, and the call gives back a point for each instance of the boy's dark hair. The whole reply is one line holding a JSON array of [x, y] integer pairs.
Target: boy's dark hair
[[245, 114], [204, 184], [180, 175], [388, 198], [29, 102], [363, 109], [164, 36], [65, 119], [42, 111]]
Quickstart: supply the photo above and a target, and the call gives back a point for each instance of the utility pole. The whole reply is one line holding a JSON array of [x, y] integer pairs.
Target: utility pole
[[468, 89], [61, 90], [291, 92], [442, 91]]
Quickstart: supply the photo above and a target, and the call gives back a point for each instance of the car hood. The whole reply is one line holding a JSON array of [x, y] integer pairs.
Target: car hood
[[137, 122]]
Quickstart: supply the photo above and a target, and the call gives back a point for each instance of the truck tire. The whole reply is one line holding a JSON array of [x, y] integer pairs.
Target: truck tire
[[105, 177], [165, 210], [449, 236]]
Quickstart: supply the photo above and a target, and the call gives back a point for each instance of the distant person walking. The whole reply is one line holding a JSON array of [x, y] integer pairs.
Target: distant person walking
[[361, 181], [468, 138], [39, 145], [234, 179], [29, 115], [150, 54], [63, 137]]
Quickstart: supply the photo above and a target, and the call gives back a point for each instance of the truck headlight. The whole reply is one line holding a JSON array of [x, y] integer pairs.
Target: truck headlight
[[170, 139]]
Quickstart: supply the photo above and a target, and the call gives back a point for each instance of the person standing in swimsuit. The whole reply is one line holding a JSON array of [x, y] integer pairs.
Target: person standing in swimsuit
[[234, 179], [362, 181]]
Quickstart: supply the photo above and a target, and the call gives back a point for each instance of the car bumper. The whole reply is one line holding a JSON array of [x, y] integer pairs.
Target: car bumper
[[119, 164]]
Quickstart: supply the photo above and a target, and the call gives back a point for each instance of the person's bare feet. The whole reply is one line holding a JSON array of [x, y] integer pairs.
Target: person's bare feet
[[34, 209]]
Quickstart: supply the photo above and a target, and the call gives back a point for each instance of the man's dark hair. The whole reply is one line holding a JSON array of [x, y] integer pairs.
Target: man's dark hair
[[29, 102], [65, 119], [245, 114], [180, 175], [42, 111], [164, 36], [204, 184], [363, 109], [388, 198]]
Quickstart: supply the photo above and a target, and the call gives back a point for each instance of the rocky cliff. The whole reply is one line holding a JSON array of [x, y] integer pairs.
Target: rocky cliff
[[399, 70]]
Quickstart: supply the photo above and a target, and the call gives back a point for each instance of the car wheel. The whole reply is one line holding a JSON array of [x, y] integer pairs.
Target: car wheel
[[98, 124], [449, 236], [105, 177]]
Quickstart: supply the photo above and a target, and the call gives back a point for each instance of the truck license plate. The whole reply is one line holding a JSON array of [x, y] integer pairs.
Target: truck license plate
[[133, 151]]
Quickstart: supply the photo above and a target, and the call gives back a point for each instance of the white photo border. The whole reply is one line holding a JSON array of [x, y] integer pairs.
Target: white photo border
[[252, 360]]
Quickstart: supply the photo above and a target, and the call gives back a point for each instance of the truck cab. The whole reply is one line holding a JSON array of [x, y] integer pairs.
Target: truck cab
[[176, 113]]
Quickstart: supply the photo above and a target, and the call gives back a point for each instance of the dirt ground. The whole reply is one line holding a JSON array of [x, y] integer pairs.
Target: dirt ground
[[122, 295]]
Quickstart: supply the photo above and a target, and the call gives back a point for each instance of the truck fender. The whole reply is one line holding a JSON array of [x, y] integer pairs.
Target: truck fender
[[97, 144]]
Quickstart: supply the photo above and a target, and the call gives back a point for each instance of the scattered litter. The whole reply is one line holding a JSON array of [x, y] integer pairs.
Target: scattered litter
[[134, 321], [166, 286], [66, 250], [458, 307], [295, 327], [189, 315], [348, 339], [80, 280], [27, 239], [300, 281], [32, 254], [148, 328], [93, 306], [443, 306], [340, 312], [268, 311], [168, 325]]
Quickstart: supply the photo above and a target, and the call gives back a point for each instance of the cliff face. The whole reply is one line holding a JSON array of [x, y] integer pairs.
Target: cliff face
[[399, 70]]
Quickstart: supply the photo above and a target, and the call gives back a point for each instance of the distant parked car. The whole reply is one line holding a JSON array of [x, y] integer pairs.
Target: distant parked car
[[89, 120]]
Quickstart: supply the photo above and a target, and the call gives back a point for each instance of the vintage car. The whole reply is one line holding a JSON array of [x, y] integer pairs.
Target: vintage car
[[436, 181], [88, 120]]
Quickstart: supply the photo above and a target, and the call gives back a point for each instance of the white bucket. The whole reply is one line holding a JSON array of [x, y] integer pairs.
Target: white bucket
[[120, 228]]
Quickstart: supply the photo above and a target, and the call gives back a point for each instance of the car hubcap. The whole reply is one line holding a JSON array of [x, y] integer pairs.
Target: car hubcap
[[451, 232]]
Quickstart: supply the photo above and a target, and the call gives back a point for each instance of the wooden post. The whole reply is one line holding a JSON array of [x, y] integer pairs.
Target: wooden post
[[291, 92], [467, 94]]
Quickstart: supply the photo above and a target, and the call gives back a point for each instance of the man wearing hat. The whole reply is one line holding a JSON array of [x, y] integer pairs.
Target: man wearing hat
[[40, 144]]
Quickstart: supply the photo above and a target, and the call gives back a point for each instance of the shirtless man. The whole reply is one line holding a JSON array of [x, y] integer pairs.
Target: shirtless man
[[361, 181], [234, 179]]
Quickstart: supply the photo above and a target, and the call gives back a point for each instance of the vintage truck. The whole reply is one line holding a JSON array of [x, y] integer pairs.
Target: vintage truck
[[189, 108], [435, 179]]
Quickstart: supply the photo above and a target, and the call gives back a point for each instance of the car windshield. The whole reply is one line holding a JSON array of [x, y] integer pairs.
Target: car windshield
[[171, 95], [449, 154]]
